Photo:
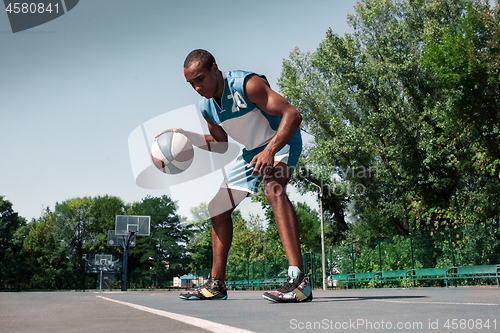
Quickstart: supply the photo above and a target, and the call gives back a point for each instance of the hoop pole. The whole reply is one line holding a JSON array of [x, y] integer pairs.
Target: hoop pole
[[100, 281], [125, 260], [125, 264]]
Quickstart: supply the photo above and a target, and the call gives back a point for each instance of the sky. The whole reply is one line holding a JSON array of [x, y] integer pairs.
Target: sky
[[73, 90]]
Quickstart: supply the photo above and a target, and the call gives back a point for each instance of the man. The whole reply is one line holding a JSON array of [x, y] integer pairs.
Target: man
[[242, 105]]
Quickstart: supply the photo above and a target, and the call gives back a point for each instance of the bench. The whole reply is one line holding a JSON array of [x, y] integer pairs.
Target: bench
[[398, 275], [364, 277], [241, 284], [230, 284], [257, 283], [477, 272], [280, 281], [341, 278], [268, 283], [431, 274], [443, 273]]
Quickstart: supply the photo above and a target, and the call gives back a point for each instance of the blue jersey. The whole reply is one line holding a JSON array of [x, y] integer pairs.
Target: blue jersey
[[242, 120]]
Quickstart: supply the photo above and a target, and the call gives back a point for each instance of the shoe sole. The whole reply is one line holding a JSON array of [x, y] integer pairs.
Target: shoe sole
[[194, 298], [286, 301]]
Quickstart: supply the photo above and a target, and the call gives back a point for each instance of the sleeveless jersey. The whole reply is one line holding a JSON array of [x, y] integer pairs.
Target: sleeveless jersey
[[242, 120]]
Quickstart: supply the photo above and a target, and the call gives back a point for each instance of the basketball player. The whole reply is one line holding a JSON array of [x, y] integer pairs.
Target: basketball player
[[242, 105]]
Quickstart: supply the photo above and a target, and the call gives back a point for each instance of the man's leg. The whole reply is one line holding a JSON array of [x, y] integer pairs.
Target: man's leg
[[284, 213], [220, 208], [298, 287]]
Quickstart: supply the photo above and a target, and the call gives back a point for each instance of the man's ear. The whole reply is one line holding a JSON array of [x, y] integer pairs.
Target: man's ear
[[215, 68]]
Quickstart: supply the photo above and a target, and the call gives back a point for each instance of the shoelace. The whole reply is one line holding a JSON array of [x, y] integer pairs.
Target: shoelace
[[211, 284], [287, 287], [207, 285]]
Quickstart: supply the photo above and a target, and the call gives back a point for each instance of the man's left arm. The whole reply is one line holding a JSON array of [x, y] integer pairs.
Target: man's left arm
[[258, 92]]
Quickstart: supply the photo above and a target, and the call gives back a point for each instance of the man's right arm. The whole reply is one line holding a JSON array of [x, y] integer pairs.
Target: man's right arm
[[216, 141]]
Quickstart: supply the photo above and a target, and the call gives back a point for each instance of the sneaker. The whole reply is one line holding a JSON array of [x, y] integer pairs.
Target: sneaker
[[298, 290], [212, 289]]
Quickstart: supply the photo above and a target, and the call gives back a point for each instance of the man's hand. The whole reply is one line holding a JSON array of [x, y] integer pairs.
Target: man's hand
[[177, 130], [264, 164]]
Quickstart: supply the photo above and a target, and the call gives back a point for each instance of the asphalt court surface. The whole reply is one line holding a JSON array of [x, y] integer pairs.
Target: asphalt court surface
[[463, 309]]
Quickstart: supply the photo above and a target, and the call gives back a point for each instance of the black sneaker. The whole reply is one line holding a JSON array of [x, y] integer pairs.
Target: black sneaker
[[212, 289], [298, 290]]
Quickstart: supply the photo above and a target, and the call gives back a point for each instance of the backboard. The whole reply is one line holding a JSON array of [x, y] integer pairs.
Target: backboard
[[103, 259], [121, 240], [102, 262], [132, 224]]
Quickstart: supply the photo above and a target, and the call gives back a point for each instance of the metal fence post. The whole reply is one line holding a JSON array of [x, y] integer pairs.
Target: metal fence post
[[379, 257], [411, 250], [352, 258], [451, 248], [312, 269], [330, 265], [275, 267]]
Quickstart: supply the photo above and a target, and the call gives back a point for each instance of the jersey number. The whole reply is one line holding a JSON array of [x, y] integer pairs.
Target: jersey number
[[237, 100]]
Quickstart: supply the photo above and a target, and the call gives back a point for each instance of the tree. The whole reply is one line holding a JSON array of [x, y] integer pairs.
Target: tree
[[248, 240], [335, 202], [72, 219], [273, 246], [48, 256], [461, 58], [103, 211], [200, 244], [81, 225], [247, 244], [166, 245], [380, 134], [309, 227], [10, 263]]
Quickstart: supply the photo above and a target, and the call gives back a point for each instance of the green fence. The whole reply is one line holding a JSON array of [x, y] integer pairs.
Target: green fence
[[468, 246]]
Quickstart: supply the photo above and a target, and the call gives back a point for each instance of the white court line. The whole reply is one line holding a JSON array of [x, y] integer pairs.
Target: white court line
[[201, 323], [108, 292], [444, 303]]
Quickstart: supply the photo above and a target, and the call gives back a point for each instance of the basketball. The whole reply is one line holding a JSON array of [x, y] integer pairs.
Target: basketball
[[172, 153]]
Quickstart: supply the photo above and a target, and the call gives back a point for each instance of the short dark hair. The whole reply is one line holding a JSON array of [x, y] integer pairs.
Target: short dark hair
[[206, 58]]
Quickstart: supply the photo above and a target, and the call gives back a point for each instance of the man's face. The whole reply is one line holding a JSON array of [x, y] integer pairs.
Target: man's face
[[203, 80]]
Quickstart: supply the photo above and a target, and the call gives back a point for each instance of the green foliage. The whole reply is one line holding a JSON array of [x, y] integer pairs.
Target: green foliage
[[248, 240], [200, 243], [472, 245], [462, 64], [374, 226], [10, 261], [47, 254], [334, 204], [309, 227], [103, 211], [404, 114], [166, 246], [81, 226]]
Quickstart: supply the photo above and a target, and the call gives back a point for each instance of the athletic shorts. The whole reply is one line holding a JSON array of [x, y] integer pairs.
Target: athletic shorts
[[240, 177]]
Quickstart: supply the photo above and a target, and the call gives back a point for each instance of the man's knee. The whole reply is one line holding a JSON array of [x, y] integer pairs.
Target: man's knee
[[275, 184], [275, 191], [219, 205], [225, 201]]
